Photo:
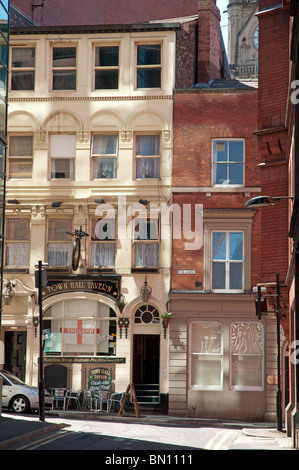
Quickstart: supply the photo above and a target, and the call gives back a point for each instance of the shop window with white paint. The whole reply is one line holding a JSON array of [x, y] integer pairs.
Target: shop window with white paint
[[247, 355], [206, 355], [80, 327]]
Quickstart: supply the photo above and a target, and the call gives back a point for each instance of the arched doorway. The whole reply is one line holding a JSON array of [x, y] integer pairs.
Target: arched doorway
[[146, 355]]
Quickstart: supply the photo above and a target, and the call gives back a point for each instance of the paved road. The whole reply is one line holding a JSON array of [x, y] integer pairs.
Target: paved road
[[150, 440]]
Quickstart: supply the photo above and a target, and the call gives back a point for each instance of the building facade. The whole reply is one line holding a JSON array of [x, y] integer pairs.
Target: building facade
[[222, 357], [88, 138], [4, 58], [90, 133], [243, 39]]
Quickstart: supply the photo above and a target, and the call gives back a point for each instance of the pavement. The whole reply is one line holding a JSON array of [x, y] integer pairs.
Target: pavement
[[15, 429]]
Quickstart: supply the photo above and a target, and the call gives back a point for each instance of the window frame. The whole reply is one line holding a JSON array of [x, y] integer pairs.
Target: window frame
[[28, 158], [25, 69], [238, 221], [149, 66], [92, 349], [95, 156], [63, 68], [227, 261], [140, 157], [107, 68], [101, 242], [227, 163], [145, 241], [13, 241], [68, 241], [72, 160], [261, 355], [218, 387]]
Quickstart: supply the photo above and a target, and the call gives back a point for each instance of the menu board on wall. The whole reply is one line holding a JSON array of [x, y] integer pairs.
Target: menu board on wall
[[100, 379]]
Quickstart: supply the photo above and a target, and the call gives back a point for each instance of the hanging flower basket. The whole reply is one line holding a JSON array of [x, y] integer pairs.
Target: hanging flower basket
[[120, 305], [166, 317]]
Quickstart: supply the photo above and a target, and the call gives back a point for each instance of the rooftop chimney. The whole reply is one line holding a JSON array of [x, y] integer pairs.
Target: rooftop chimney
[[209, 45]]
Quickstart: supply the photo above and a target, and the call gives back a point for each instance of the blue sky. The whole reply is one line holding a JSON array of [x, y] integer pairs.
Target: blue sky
[[222, 5]]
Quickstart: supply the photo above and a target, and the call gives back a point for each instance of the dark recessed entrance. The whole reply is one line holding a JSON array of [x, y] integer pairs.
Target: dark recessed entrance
[[146, 373]]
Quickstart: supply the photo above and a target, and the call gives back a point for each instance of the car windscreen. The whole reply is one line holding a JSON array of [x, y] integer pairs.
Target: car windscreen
[[15, 380]]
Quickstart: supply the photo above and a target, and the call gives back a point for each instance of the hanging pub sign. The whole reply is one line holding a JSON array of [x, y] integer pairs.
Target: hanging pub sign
[[99, 379], [106, 286]]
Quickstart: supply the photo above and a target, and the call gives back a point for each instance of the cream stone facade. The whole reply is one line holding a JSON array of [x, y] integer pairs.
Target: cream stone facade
[[52, 159]]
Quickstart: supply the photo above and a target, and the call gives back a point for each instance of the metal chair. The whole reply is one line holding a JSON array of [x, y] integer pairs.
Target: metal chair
[[72, 395], [103, 399], [90, 398], [116, 397], [58, 395]]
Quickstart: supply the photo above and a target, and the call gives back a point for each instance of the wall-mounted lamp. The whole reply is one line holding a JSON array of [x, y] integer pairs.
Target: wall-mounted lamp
[[144, 202], [145, 291], [100, 200], [264, 201], [8, 292], [13, 201], [56, 204]]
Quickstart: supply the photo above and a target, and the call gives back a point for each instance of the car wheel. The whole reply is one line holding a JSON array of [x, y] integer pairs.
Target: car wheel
[[19, 404]]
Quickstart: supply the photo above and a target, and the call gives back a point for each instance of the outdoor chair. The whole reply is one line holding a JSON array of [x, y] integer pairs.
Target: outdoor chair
[[72, 396]]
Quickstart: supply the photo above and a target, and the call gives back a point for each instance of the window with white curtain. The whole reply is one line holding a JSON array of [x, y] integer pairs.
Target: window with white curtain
[[104, 155], [147, 156], [206, 355], [102, 242], [17, 241], [59, 242], [62, 152], [20, 156], [22, 68], [246, 355], [146, 243]]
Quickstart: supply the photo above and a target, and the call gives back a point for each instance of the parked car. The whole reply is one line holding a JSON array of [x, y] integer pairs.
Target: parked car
[[19, 397]]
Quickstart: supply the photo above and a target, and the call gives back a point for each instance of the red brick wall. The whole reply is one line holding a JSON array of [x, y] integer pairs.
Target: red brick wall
[[274, 53], [200, 116]]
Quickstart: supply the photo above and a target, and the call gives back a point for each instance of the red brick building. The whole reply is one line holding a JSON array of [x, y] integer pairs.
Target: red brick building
[[278, 147], [221, 355]]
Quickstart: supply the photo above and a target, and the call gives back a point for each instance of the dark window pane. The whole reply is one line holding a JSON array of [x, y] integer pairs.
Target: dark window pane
[[218, 276], [64, 80], [236, 276], [23, 57], [22, 80], [149, 78], [106, 79], [64, 57], [107, 56], [235, 173], [149, 55]]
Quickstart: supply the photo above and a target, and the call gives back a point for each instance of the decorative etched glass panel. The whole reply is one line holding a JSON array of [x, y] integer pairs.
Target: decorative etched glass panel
[[247, 355]]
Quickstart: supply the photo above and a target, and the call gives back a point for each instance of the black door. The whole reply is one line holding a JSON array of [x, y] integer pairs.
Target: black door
[[15, 353], [146, 353]]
